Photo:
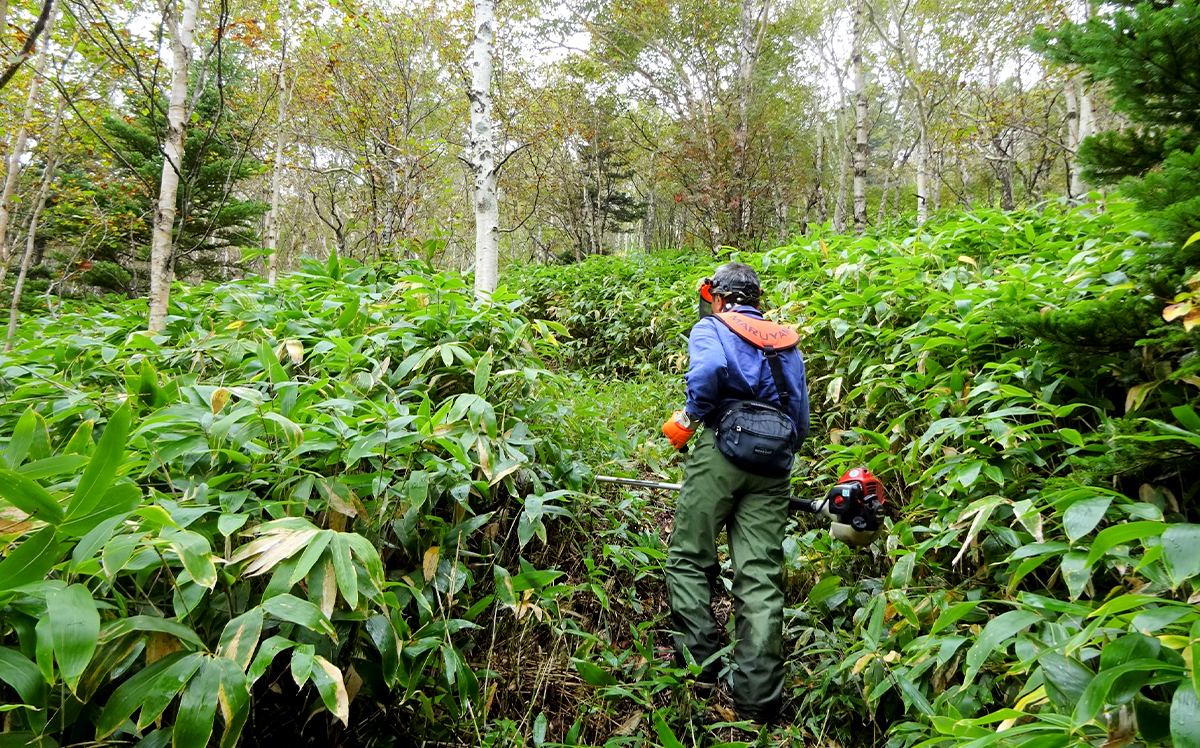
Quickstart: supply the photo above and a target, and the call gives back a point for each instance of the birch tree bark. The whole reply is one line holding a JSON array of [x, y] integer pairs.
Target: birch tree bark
[[181, 27], [483, 154], [1086, 128], [911, 65], [18, 150], [1085, 124], [284, 94], [39, 205], [860, 122], [753, 27]]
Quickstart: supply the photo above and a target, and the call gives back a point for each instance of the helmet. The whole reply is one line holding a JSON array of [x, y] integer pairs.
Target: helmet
[[737, 282]]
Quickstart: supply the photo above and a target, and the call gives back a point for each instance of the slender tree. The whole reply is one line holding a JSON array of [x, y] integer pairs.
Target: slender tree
[[860, 124], [39, 204], [18, 150], [283, 94], [180, 27], [29, 46], [483, 151]]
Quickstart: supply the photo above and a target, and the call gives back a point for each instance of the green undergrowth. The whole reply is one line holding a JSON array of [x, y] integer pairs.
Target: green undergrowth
[[1035, 422], [363, 500]]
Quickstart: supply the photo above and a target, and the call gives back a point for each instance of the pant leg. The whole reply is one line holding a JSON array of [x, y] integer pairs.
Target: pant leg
[[701, 510], [756, 530]]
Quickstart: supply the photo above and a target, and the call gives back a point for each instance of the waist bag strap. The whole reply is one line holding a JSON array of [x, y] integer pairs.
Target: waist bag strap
[[785, 396]]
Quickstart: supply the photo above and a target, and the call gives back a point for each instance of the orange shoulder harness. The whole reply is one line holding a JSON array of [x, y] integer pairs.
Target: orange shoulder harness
[[759, 332]]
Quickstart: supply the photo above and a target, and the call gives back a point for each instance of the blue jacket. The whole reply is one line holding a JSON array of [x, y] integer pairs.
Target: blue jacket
[[724, 368]]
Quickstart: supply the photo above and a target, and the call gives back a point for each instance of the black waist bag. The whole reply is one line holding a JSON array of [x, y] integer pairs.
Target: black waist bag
[[758, 438]]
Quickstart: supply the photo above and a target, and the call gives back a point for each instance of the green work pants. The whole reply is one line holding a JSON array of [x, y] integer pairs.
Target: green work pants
[[754, 510]]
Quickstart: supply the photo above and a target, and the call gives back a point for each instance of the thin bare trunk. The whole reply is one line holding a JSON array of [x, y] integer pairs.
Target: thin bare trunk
[[753, 27], [31, 237], [18, 151], [483, 155], [162, 247], [273, 222], [1087, 126], [922, 172], [860, 125]]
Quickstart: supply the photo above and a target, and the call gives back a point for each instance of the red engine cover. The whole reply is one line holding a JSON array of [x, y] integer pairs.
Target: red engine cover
[[870, 483]]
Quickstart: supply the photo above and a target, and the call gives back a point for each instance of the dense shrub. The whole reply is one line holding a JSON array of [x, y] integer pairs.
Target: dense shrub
[[329, 483], [1041, 449]]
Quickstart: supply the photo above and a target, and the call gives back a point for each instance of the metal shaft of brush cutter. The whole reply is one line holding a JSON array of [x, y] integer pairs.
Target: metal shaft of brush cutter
[[796, 504], [639, 483]]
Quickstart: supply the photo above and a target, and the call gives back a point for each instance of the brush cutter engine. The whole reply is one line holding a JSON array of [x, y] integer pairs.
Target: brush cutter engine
[[855, 506]]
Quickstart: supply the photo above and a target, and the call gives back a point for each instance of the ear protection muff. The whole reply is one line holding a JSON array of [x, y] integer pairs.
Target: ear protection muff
[[704, 305]]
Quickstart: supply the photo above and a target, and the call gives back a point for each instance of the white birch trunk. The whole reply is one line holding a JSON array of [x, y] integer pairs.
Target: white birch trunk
[[483, 155], [162, 247], [1080, 120], [860, 121], [922, 173], [1087, 128], [272, 239], [753, 23], [39, 205], [18, 151]]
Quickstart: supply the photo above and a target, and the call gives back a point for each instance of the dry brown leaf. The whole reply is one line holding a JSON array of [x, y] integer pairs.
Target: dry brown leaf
[[631, 723], [505, 472], [354, 683], [219, 399], [430, 562], [159, 645]]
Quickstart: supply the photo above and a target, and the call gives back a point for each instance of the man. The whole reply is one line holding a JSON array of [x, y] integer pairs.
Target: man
[[731, 371]]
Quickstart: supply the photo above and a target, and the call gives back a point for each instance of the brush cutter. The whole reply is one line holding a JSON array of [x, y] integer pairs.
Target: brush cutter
[[854, 507]]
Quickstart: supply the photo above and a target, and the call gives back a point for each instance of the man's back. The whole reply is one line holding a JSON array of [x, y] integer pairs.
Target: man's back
[[725, 368]]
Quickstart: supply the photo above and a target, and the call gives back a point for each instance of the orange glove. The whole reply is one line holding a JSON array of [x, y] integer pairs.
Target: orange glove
[[676, 432]]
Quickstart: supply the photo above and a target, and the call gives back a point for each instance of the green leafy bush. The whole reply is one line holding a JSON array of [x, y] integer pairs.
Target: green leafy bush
[[1041, 452], [328, 483]]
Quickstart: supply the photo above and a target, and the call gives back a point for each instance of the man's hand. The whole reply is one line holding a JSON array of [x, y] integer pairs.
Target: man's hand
[[675, 430]]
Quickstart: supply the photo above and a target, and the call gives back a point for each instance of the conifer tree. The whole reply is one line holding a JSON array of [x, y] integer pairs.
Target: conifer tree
[[1148, 54]]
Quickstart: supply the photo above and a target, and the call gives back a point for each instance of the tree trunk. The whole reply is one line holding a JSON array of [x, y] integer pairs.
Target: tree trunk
[[18, 150], [922, 174], [273, 222], [1085, 126], [483, 156], [162, 246], [753, 23], [31, 237], [860, 123]]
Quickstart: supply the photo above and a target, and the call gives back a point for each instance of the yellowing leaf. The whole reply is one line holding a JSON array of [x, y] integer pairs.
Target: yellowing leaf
[[220, 397], [969, 260], [332, 688], [1137, 396], [295, 350], [430, 562], [271, 547], [1175, 311], [862, 662], [1191, 320]]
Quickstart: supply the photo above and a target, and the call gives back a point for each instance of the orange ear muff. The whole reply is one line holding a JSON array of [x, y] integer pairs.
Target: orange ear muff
[[706, 290]]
